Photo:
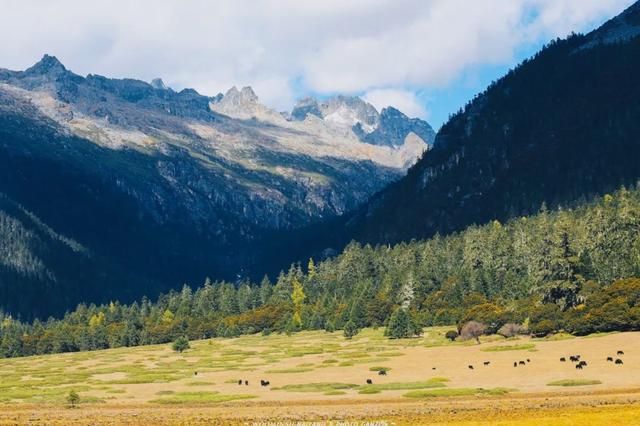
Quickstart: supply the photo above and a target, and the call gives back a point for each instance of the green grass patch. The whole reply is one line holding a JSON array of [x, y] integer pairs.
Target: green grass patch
[[41, 395], [199, 398], [390, 354], [90, 399], [576, 382], [369, 391], [145, 378], [436, 393], [502, 348], [352, 355], [600, 334], [376, 368], [335, 392], [317, 387], [556, 337], [298, 352], [436, 382]]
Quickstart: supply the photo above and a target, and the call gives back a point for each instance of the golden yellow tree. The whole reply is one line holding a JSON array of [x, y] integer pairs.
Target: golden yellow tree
[[311, 269], [297, 296]]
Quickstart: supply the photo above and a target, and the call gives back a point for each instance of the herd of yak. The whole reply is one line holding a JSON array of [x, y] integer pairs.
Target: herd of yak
[[580, 364]]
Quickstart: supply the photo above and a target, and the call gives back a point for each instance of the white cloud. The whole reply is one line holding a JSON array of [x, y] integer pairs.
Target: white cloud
[[439, 39], [285, 48], [558, 18], [404, 100]]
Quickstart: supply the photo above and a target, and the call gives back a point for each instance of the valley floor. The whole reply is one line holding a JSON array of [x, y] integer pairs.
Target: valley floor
[[321, 376]]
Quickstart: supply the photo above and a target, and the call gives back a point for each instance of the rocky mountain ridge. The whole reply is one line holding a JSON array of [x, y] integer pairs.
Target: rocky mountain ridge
[[355, 118], [160, 188], [235, 128]]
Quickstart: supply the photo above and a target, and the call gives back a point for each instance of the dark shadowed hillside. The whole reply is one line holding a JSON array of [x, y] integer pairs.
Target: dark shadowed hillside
[[561, 128], [162, 187]]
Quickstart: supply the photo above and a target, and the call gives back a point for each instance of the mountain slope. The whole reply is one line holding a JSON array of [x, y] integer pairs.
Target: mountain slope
[[254, 150], [160, 188], [560, 128], [390, 127]]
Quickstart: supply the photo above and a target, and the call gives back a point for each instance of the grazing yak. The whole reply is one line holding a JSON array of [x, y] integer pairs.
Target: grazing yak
[[246, 383], [382, 373], [619, 361], [369, 381], [521, 363], [620, 353], [610, 359], [563, 359], [487, 363], [239, 382], [264, 382]]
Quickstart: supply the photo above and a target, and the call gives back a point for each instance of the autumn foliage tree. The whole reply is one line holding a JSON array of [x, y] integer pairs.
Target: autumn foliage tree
[[473, 330], [297, 297]]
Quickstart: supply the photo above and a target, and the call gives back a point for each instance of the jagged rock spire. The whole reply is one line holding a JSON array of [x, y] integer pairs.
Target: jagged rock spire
[[157, 83], [47, 65]]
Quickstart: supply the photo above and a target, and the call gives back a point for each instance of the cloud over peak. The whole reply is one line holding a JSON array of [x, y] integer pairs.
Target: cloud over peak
[[285, 49]]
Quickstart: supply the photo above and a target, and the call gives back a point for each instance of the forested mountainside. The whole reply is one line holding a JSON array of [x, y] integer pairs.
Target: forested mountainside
[[567, 269], [161, 187], [561, 128]]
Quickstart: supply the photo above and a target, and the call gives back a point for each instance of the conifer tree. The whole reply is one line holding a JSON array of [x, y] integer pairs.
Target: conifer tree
[[398, 326], [350, 330]]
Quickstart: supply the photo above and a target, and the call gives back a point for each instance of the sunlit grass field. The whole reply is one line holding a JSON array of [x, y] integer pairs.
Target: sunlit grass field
[[315, 373]]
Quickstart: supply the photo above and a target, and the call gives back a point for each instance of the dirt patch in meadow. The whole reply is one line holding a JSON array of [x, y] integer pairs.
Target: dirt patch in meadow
[[108, 377]]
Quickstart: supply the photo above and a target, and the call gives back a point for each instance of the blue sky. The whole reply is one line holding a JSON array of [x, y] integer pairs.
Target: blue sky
[[425, 57], [440, 103]]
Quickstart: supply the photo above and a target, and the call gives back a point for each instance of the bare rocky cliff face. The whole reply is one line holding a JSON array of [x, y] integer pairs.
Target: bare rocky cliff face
[[162, 186], [304, 170], [388, 127]]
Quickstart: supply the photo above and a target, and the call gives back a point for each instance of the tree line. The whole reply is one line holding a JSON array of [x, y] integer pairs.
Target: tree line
[[566, 269]]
